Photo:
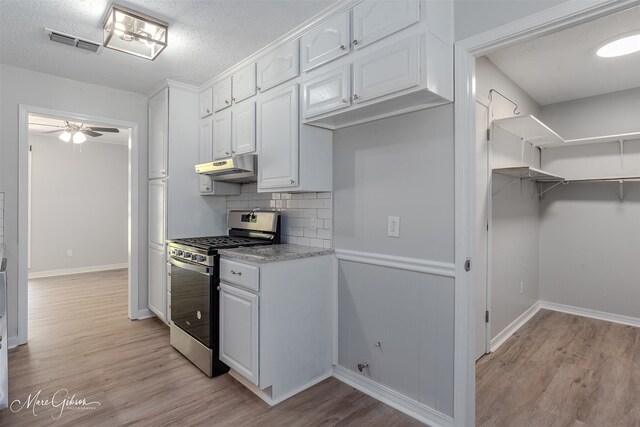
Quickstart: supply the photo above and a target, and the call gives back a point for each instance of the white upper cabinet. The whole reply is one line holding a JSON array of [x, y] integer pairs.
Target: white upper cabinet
[[376, 19], [326, 91], [158, 134], [244, 83], [206, 103], [326, 42], [243, 127], [390, 69], [222, 134], [278, 66], [277, 134], [222, 94]]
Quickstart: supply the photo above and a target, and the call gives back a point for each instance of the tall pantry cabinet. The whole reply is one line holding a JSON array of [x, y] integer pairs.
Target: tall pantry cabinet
[[176, 207]]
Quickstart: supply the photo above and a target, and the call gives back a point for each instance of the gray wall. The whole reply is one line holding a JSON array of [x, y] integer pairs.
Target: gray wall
[[78, 201], [589, 241], [515, 209], [400, 166], [19, 86]]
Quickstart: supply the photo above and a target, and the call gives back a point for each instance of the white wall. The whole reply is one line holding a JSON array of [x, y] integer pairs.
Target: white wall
[[401, 166], [79, 201], [589, 241], [19, 86], [515, 209]]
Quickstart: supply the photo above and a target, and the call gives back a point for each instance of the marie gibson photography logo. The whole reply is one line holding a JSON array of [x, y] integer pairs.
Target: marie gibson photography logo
[[59, 402]]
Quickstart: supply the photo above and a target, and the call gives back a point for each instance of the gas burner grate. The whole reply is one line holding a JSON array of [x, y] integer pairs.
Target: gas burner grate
[[219, 242]]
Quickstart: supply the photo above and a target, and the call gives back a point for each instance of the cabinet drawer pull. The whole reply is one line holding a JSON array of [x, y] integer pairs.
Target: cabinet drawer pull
[[291, 181], [237, 273], [355, 96], [226, 101], [233, 100], [258, 88], [355, 41], [342, 47]]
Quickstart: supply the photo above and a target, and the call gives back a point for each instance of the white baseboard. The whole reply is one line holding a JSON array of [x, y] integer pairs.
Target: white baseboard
[[594, 314], [267, 397], [392, 398], [499, 339], [78, 270], [145, 314], [12, 342]]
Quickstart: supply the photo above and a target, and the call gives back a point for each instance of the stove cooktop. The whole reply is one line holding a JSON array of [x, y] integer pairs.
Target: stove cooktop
[[220, 242]]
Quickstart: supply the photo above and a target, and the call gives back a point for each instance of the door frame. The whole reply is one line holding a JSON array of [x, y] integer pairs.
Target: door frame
[[556, 18], [134, 219]]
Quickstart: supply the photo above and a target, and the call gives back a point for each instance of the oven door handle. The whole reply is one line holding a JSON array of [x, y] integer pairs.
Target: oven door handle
[[207, 271]]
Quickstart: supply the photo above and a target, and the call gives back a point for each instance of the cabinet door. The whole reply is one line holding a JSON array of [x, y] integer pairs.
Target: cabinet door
[[278, 66], [239, 331], [222, 134], [328, 91], [326, 42], [157, 281], [387, 70], [376, 19], [243, 124], [244, 83], [206, 103], [205, 151], [157, 212], [158, 134], [222, 95], [277, 134]]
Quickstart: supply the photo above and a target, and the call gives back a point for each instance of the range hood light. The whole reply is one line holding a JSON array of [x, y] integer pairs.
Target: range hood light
[[622, 45]]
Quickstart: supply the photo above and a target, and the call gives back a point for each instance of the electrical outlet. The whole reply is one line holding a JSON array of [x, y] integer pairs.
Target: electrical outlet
[[69, 252], [521, 288], [312, 223], [393, 226]]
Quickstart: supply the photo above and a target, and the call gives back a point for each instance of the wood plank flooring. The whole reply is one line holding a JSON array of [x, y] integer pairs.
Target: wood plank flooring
[[81, 340], [562, 370]]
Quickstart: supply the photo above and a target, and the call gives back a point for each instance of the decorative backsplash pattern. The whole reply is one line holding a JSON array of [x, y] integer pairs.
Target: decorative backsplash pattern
[[306, 217]]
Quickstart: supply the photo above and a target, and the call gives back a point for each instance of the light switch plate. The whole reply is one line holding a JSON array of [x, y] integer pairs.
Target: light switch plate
[[393, 226]]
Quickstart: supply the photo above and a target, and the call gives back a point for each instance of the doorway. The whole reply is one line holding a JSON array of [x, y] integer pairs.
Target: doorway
[[128, 141]]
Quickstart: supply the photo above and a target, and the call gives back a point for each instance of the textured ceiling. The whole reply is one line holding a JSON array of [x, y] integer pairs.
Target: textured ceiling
[[205, 37], [564, 65], [41, 125]]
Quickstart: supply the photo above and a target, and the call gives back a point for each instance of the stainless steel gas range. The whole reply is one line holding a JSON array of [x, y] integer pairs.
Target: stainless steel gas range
[[195, 280]]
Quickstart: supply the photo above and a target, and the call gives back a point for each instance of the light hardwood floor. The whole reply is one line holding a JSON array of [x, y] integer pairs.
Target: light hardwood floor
[[562, 370], [80, 339]]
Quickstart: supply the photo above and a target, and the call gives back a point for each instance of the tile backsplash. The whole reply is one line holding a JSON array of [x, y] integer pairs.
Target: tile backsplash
[[1, 218], [306, 217]]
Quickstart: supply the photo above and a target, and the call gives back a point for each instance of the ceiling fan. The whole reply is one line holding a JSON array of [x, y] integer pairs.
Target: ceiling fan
[[78, 132]]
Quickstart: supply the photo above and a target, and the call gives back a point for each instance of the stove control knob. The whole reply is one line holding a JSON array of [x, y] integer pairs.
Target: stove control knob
[[201, 258], [179, 252], [194, 257], [187, 254]]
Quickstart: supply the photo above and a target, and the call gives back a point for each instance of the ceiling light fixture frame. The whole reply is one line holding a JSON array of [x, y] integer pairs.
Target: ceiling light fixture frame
[[109, 30]]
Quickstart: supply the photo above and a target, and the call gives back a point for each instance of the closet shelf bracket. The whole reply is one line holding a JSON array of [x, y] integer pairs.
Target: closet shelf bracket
[[563, 182], [621, 183]]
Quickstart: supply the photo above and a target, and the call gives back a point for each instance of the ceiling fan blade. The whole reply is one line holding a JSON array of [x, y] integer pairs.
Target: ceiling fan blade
[[54, 131], [90, 132], [44, 124], [99, 129]]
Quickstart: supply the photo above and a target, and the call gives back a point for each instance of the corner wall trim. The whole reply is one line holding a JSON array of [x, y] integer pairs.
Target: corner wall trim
[[594, 314], [437, 268], [66, 271], [514, 326], [392, 398]]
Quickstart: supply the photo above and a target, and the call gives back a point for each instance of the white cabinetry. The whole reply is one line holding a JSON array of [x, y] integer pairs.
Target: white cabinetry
[[206, 103], [222, 134], [157, 282], [157, 212], [326, 42], [158, 134], [326, 91], [278, 340], [239, 331], [244, 83], [206, 185], [243, 127], [278, 66], [376, 19], [222, 94]]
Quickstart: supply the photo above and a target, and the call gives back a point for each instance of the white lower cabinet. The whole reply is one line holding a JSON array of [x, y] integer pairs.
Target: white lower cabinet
[[277, 339], [239, 331], [157, 281]]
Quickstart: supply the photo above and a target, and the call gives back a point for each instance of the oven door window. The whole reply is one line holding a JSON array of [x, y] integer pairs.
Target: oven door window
[[191, 300]]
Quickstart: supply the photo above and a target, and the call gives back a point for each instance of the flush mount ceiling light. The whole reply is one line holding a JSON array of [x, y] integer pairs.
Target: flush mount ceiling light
[[621, 45], [133, 32]]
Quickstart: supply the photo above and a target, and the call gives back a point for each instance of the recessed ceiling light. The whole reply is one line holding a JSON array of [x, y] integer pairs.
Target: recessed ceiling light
[[622, 45]]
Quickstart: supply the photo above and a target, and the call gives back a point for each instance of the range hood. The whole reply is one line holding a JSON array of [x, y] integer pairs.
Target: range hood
[[238, 169]]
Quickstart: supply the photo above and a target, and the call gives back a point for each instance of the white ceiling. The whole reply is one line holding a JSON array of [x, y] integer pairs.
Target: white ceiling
[[205, 37], [42, 125], [563, 66]]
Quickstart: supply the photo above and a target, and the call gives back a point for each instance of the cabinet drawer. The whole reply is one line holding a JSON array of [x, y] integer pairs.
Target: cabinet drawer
[[243, 275]]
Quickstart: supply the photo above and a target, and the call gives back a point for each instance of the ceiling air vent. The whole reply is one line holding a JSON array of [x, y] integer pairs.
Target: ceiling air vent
[[69, 40]]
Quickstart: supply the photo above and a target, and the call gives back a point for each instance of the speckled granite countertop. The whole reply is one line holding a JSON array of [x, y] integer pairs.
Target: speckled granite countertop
[[273, 253]]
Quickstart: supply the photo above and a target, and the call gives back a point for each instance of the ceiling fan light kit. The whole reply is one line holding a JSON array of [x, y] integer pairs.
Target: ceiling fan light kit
[[79, 138], [132, 32], [65, 136]]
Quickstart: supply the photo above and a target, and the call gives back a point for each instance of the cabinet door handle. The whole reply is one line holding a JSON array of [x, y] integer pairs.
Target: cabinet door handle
[[258, 88], [208, 111], [355, 42], [233, 100], [291, 181], [226, 152], [355, 96], [236, 273], [344, 101], [226, 101], [342, 47]]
